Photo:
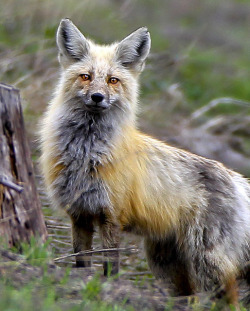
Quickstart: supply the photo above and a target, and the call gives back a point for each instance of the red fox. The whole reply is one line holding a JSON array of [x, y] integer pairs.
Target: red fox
[[193, 213]]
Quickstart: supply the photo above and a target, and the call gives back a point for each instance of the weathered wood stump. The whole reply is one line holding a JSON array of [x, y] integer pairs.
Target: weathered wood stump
[[20, 209]]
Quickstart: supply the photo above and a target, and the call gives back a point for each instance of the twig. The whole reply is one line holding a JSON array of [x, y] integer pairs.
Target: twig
[[2, 220], [215, 102], [8, 183], [54, 219], [58, 227], [52, 222], [62, 242], [59, 249], [228, 123], [129, 274], [132, 249], [64, 237]]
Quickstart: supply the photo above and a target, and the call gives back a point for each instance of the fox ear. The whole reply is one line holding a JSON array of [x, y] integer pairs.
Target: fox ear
[[72, 44], [134, 49]]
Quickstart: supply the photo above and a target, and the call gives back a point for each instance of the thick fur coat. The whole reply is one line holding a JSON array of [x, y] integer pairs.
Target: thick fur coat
[[193, 213]]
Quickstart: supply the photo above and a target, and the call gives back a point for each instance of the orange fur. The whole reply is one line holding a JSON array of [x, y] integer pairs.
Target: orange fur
[[136, 199], [192, 212]]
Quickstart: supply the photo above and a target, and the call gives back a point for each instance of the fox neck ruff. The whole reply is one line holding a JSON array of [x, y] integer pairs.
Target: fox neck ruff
[[84, 142]]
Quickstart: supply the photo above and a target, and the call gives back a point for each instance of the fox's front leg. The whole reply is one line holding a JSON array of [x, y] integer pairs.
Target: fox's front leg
[[110, 234], [82, 236]]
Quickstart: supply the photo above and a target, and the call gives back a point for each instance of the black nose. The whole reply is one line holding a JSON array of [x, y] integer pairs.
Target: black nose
[[97, 97]]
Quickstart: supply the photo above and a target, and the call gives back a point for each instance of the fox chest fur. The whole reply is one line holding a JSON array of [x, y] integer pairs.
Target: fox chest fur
[[83, 145]]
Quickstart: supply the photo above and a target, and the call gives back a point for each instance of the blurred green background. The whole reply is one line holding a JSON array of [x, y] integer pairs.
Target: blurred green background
[[200, 52]]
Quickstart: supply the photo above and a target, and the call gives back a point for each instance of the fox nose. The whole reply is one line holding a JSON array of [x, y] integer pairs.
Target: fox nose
[[97, 97]]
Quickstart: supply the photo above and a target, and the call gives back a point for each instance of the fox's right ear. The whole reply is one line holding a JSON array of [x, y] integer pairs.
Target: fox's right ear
[[72, 44]]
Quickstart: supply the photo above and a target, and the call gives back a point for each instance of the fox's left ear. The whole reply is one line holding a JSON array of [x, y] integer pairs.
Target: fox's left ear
[[134, 49]]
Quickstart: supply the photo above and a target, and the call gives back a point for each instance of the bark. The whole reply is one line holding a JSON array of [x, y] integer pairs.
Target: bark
[[20, 208]]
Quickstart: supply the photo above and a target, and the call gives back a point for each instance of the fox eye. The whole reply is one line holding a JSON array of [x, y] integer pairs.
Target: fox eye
[[85, 77], [113, 80]]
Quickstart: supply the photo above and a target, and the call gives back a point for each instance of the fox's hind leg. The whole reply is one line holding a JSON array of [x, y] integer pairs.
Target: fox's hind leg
[[232, 291], [167, 263], [82, 236]]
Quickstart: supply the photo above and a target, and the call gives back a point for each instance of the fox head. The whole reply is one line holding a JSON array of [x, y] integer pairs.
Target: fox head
[[101, 78]]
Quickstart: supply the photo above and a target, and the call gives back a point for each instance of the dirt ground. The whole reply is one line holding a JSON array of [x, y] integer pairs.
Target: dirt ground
[[135, 287]]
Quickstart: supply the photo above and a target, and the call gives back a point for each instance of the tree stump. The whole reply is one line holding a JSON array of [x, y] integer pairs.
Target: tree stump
[[20, 208]]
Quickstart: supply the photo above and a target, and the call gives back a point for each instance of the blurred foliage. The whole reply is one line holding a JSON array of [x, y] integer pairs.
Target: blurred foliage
[[45, 294], [209, 39], [33, 283], [200, 51], [36, 253]]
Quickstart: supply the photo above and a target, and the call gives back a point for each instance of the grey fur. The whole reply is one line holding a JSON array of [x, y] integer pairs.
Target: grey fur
[[84, 141], [134, 49], [71, 43], [210, 239], [218, 236]]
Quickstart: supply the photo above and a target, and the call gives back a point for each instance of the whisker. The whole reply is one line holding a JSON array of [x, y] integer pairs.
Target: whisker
[[118, 106]]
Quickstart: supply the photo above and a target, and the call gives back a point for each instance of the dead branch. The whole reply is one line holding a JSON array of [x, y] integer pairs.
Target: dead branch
[[8, 183], [215, 102], [132, 250]]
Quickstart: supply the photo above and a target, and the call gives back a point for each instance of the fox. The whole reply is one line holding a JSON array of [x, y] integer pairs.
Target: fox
[[193, 213]]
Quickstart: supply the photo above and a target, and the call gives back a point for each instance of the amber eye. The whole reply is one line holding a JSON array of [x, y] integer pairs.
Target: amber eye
[[113, 80], [85, 77]]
